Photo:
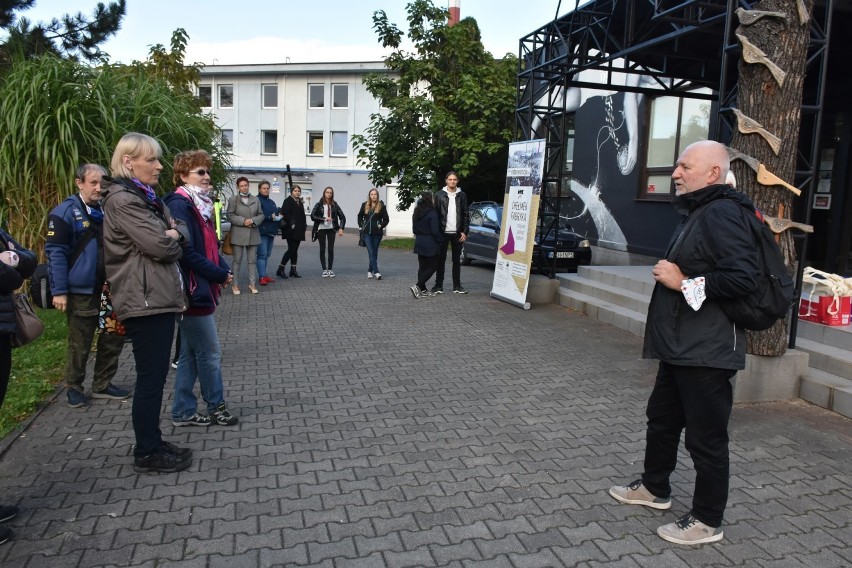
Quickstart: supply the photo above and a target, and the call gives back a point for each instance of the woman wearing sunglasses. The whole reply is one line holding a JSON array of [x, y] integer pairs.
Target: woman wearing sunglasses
[[204, 271]]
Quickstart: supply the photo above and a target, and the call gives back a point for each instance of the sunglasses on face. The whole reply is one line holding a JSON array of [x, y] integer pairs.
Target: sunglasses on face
[[202, 172]]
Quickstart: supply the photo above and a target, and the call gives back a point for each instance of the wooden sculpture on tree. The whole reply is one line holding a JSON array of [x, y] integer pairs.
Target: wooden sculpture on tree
[[771, 77]]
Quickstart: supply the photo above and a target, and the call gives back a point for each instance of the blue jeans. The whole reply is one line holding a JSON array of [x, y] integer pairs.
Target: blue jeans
[[264, 251], [372, 242], [152, 338], [200, 357]]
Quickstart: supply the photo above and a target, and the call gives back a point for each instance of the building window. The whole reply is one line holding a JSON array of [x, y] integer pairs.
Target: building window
[[270, 96], [228, 139], [205, 96], [340, 96], [339, 143], [315, 144], [269, 140], [675, 123], [226, 96], [316, 96]]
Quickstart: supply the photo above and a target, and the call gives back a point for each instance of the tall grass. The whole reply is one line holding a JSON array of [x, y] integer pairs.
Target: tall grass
[[56, 114]]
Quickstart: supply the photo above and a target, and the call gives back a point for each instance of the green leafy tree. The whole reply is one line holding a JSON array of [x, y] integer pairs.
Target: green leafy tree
[[450, 102], [56, 113], [170, 65], [73, 36]]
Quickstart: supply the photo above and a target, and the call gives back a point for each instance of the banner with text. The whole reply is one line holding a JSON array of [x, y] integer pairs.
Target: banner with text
[[517, 228]]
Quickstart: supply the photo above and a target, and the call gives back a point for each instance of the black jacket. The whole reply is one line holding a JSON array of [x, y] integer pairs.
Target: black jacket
[[442, 203], [720, 247], [338, 219], [373, 223], [427, 234], [294, 221], [11, 279]]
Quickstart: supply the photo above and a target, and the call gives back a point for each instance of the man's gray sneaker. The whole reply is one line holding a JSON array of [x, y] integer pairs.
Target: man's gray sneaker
[[636, 494], [437, 290], [689, 530]]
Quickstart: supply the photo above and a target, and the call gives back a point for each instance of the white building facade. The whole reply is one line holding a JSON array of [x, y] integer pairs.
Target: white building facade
[[298, 114]]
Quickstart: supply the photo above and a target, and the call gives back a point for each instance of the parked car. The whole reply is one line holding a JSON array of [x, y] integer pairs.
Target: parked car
[[560, 250]]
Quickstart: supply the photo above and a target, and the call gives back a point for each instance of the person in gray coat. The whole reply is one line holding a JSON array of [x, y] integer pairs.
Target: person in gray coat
[[245, 215]]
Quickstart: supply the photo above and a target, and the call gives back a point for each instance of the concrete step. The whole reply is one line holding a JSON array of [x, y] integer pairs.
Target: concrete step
[[826, 358], [633, 278], [610, 293], [836, 336], [601, 310], [828, 391]]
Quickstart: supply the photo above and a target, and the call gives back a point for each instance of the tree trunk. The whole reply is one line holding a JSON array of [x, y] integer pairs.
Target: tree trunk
[[777, 108]]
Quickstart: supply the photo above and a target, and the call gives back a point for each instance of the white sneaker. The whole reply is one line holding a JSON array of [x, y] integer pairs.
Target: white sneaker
[[369, 275], [415, 291], [330, 274], [689, 530], [378, 276], [325, 273]]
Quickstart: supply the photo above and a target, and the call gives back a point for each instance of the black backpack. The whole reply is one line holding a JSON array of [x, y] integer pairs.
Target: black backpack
[[773, 297]]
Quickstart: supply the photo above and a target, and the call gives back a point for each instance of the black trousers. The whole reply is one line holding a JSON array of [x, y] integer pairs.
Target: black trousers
[[698, 399], [427, 267], [324, 235], [152, 343], [292, 254], [453, 241]]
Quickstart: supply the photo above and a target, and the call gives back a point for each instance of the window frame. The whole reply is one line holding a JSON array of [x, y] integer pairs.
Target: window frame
[[230, 146], [263, 102], [219, 91], [209, 98], [651, 171], [334, 88], [310, 98], [263, 137], [331, 151], [322, 141]]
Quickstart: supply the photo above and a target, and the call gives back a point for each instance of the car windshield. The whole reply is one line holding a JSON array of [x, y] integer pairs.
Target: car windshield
[[564, 225]]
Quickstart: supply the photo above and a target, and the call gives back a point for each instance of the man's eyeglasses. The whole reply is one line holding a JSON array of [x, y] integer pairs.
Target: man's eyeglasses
[[202, 172]]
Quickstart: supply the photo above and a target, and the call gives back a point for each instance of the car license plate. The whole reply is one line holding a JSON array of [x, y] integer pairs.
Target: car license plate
[[564, 254]]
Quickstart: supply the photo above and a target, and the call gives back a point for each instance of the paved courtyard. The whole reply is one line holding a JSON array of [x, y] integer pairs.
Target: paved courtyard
[[381, 431]]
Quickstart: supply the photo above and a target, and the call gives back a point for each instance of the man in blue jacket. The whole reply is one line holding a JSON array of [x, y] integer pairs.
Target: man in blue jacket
[[712, 258], [74, 251]]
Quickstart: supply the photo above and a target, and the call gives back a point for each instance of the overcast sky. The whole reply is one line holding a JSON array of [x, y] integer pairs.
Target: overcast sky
[[278, 31]]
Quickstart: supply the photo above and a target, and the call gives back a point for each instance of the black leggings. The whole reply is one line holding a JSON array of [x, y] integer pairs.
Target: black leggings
[[427, 267], [292, 254], [322, 235]]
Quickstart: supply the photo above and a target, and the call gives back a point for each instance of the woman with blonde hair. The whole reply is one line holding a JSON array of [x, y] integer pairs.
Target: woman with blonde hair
[[142, 247], [372, 220], [328, 219]]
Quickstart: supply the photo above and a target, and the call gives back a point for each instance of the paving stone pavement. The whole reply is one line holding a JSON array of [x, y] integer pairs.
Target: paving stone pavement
[[381, 431]]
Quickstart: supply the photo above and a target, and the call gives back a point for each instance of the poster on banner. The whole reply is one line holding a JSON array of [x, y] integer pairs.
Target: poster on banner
[[520, 215]]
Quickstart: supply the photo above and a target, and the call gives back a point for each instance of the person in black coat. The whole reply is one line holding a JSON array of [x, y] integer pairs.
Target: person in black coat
[[329, 222], [294, 223], [16, 264], [427, 242], [372, 220]]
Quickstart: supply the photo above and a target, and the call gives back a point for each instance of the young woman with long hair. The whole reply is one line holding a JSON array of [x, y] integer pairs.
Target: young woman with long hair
[[372, 220], [329, 221]]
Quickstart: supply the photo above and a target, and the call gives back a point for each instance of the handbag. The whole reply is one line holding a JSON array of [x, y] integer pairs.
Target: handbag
[[30, 327], [107, 320], [227, 247], [361, 242]]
